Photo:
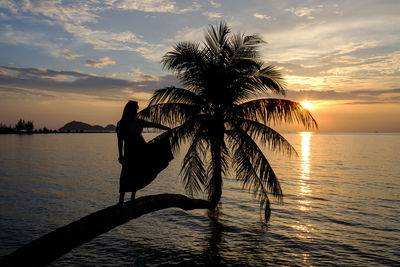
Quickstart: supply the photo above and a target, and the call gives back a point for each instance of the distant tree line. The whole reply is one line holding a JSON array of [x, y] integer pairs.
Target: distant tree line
[[23, 126]]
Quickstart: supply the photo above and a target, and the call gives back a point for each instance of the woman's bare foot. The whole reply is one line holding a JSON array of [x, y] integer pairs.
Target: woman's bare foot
[[121, 199]]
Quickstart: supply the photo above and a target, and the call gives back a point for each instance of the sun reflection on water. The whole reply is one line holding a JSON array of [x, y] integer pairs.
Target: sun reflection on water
[[305, 191]]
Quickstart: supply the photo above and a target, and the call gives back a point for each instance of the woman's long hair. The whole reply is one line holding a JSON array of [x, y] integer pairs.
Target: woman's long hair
[[129, 114], [130, 111]]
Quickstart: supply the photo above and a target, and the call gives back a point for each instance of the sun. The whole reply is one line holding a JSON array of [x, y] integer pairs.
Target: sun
[[306, 104]]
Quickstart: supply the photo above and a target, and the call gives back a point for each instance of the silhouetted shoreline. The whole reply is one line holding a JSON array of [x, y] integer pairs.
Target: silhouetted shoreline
[[27, 127], [64, 132], [53, 132]]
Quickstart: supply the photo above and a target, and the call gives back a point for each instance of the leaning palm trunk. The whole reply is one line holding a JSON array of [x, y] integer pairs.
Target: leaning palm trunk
[[53, 245]]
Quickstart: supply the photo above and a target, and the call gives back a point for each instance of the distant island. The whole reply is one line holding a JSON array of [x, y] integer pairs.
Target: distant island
[[81, 127], [27, 127]]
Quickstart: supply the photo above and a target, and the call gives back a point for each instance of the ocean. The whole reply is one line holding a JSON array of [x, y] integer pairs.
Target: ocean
[[341, 204]]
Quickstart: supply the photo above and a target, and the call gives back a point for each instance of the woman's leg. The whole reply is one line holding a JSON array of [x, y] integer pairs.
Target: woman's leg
[[121, 198]]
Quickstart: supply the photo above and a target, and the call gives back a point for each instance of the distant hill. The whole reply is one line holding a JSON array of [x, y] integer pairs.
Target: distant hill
[[78, 126], [110, 128]]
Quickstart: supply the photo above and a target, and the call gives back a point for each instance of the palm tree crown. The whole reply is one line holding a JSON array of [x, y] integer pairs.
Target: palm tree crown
[[221, 114]]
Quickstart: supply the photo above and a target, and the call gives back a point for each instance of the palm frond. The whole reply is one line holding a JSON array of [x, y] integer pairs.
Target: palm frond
[[249, 79], [257, 80], [176, 95], [193, 170], [217, 42], [265, 135], [185, 55], [242, 87], [245, 47], [255, 173], [188, 61], [186, 132], [171, 114], [252, 167], [264, 202], [267, 110], [271, 79]]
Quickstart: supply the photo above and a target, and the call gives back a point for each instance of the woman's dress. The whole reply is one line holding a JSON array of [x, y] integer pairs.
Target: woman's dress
[[142, 161]]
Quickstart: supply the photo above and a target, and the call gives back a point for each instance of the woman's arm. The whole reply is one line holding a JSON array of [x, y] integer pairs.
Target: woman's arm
[[148, 124], [120, 147]]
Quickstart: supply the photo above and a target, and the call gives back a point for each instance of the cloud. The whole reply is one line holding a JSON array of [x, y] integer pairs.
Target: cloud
[[10, 5], [76, 19], [379, 66], [309, 42], [58, 11], [72, 56], [3, 16], [101, 63], [354, 96], [384, 65], [12, 71], [389, 101], [153, 6], [344, 72], [153, 52], [304, 11], [23, 92], [194, 7], [213, 15], [9, 35], [139, 76], [121, 41], [351, 47], [86, 11], [146, 5], [104, 39], [192, 34], [49, 82], [261, 16], [215, 4]]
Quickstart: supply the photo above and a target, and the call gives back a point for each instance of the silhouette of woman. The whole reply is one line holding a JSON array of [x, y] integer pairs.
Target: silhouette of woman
[[136, 155]]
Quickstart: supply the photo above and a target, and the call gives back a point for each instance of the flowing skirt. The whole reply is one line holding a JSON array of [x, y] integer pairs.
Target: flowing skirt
[[143, 165]]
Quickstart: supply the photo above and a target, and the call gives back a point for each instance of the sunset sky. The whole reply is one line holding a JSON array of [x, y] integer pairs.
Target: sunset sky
[[82, 60]]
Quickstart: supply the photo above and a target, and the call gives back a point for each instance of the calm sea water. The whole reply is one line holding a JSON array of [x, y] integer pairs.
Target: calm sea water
[[341, 205]]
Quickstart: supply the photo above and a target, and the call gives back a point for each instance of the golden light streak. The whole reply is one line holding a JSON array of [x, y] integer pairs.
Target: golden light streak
[[304, 230], [305, 189]]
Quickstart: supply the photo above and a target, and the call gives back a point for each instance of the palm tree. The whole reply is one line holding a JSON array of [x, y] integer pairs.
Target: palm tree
[[222, 115]]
